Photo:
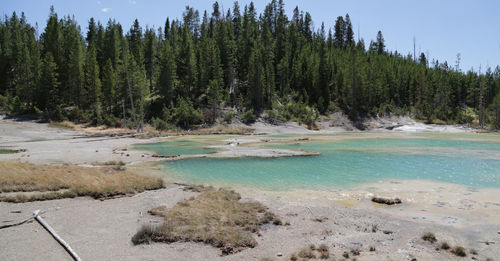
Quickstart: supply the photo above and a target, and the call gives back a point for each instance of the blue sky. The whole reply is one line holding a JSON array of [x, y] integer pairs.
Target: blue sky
[[442, 28]]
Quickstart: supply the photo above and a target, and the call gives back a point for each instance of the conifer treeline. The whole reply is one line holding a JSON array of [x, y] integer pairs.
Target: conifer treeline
[[185, 72]]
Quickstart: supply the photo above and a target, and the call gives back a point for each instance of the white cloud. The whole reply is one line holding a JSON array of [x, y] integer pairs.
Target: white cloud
[[132, 2], [106, 9]]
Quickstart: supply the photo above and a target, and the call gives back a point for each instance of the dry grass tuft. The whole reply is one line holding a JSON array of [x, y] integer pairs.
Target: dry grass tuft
[[63, 125], [312, 252], [197, 188], [459, 251], [429, 237], [387, 201], [67, 181], [215, 217], [445, 246], [306, 253], [324, 251]]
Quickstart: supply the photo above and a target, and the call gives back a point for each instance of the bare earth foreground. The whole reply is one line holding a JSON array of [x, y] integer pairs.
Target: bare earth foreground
[[342, 220]]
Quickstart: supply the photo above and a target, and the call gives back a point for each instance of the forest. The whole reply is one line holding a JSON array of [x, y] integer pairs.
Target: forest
[[228, 64]]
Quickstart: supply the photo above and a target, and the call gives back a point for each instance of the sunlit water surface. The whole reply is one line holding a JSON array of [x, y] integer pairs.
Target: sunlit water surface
[[345, 160]]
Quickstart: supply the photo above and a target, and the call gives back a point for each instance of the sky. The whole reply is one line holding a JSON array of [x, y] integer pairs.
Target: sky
[[441, 28]]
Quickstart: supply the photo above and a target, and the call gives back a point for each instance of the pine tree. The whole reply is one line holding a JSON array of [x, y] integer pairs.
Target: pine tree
[[150, 56], [108, 87], [256, 78], [48, 96], [340, 34], [380, 44], [167, 80], [93, 86], [349, 34], [186, 64]]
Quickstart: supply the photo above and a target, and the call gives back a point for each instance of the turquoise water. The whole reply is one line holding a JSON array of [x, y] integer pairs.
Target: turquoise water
[[349, 161], [176, 147]]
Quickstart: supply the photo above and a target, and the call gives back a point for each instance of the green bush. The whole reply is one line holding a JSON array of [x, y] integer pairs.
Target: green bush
[[299, 112], [466, 116], [185, 115], [271, 115], [17, 106], [160, 124], [77, 115], [112, 121], [58, 115], [228, 117], [248, 117]]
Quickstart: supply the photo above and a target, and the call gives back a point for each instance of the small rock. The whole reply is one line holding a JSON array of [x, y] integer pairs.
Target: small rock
[[279, 254]]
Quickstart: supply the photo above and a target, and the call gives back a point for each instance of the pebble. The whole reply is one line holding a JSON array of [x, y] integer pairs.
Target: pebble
[[279, 254]]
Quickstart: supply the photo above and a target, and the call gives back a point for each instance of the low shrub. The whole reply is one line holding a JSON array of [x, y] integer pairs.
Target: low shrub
[[228, 117], [430, 237], [324, 251], [248, 117], [445, 246], [299, 112], [306, 253], [459, 251], [355, 252], [185, 115], [215, 217]]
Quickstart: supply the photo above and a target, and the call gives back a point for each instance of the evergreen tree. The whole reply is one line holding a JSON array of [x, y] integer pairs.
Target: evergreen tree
[[340, 34], [349, 34], [167, 81], [108, 87], [380, 44], [93, 93], [48, 96]]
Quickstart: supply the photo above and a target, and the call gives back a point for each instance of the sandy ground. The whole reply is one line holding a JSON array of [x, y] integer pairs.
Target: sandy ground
[[101, 230]]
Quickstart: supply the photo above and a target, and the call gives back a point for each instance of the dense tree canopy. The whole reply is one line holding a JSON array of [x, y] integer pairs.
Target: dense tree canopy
[[227, 59]]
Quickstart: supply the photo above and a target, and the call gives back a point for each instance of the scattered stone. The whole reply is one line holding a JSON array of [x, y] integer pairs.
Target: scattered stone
[[387, 201]]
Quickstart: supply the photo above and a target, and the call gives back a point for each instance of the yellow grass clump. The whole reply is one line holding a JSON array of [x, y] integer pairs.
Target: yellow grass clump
[[61, 181], [215, 217]]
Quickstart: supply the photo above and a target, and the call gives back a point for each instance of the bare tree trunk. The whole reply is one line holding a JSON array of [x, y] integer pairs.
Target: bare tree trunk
[[481, 102], [124, 119]]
